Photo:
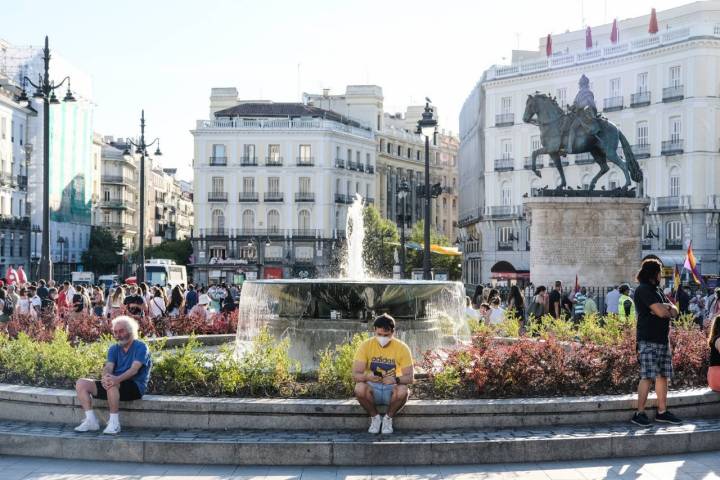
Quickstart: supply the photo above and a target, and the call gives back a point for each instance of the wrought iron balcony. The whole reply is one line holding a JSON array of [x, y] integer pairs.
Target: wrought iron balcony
[[218, 161], [217, 197], [360, 167], [339, 163], [504, 164], [342, 198], [670, 203], [673, 244], [641, 150], [351, 165], [584, 159], [504, 119], [304, 233], [305, 161], [246, 161], [369, 168], [672, 147], [305, 196], [505, 211], [640, 99], [674, 93], [214, 232], [119, 179], [274, 196], [248, 197], [613, 104], [273, 161], [505, 245], [120, 203], [527, 164]]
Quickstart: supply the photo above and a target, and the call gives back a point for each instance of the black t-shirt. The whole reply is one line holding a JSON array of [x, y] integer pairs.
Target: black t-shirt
[[78, 302], [555, 297], [650, 327], [714, 354], [134, 304]]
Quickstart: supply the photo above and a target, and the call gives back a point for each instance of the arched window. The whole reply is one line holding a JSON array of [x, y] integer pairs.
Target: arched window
[[674, 182], [248, 220], [273, 221], [303, 220], [218, 220]]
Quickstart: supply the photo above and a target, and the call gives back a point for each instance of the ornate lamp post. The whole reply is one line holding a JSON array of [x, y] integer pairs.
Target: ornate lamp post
[[45, 90], [141, 148], [426, 126], [402, 193]]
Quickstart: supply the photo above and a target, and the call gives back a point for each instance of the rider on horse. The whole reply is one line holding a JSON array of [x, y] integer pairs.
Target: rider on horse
[[584, 111]]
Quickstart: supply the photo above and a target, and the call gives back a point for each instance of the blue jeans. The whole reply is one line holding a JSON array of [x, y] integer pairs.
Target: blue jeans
[[381, 392]]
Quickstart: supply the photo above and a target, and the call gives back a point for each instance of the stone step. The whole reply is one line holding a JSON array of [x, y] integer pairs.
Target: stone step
[[352, 447]]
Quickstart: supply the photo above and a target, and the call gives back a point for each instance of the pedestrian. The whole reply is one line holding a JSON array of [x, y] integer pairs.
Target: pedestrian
[[683, 300], [555, 299], [578, 307], [472, 316], [611, 300], [477, 298], [713, 375], [516, 303], [177, 302], [538, 305], [497, 314], [200, 311], [713, 305], [24, 306], [654, 312], [626, 306], [116, 301], [590, 305], [191, 298]]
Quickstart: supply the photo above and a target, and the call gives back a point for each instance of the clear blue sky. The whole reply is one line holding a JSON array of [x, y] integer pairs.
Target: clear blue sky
[[165, 56]]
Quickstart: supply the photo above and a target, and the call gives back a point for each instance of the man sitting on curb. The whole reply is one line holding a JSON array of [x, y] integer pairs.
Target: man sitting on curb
[[382, 370], [124, 378]]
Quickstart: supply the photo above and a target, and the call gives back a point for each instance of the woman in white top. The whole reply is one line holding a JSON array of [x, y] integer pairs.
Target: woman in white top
[[156, 305], [24, 305]]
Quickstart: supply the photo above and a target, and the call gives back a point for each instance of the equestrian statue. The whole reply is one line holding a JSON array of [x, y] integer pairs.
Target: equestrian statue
[[579, 130]]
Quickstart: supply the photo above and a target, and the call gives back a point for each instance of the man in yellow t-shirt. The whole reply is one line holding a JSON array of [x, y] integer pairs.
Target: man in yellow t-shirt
[[382, 370]]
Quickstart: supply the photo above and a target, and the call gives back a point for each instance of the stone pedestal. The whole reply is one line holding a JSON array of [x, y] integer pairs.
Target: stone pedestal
[[598, 239]]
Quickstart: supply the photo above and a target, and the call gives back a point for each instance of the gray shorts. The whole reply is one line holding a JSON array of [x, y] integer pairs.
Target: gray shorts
[[381, 392], [655, 360]]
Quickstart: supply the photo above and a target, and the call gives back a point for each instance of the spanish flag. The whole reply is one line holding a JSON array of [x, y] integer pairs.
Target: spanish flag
[[676, 279], [691, 264]]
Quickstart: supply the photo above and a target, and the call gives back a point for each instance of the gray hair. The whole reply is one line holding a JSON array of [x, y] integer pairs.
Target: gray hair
[[130, 324]]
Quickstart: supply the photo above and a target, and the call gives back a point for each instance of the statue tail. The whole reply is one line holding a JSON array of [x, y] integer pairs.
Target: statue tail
[[632, 164]]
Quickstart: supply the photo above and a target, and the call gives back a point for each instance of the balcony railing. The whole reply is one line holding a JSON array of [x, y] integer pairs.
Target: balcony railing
[[117, 179], [339, 163], [304, 233], [505, 245], [370, 201], [273, 161], [505, 211], [342, 199], [369, 168], [248, 197], [274, 196], [305, 196], [669, 203], [640, 99], [246, 161], [641, 150], [305, 161], [673, 244], [584, 159], [672, 147], [351, 165], [214, 232], [612, 104], [647, 244], [504, 164], [360, 167], [218, 161], [217, 196], [527, 164], [674, 93], [120, 225], [117, 203], [275, 124], [504, 119]]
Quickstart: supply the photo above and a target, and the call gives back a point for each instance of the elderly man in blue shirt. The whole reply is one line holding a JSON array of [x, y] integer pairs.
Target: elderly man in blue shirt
[[124, 378]]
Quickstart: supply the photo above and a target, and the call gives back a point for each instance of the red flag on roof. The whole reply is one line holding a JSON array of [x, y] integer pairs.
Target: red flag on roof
[[588, 38], [548, 46], [653, 27], [614, 33]]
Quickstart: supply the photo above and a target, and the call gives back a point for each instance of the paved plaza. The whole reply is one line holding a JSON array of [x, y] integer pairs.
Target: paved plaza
[[695, 466]]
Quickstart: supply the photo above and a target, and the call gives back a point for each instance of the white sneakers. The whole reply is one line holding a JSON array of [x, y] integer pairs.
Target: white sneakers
[[387, 428], [113, 428], [375, 424], [88, 425], [379, 422]]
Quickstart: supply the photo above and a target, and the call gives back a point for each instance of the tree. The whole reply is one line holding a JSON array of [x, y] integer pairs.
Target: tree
[[177, 250], [437, 262], [102, 256], [381, 239]]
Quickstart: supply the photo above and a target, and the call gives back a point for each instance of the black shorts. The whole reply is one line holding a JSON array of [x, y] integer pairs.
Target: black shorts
[[128, 391]]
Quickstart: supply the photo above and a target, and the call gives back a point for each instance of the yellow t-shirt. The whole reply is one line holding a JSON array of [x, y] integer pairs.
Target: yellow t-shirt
[[379, 361]]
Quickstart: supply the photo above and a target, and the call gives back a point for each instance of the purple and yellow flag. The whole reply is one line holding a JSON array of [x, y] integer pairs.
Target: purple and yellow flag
[[691, 264]]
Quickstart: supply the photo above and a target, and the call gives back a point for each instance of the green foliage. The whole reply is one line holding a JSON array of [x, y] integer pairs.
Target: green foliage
[[448, 263], [335, 370], [267, 365], [177, 250], [183, 369], [447, 382], [101, 256], [381, 240]]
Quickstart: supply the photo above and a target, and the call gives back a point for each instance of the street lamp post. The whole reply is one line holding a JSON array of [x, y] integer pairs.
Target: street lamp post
[[141, 148], [402, 192], [45, 90], [426, 126]]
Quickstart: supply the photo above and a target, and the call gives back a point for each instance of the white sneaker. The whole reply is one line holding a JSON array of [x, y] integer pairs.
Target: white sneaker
[[88, 426], [375, 424], [387, 425], [112, 429]]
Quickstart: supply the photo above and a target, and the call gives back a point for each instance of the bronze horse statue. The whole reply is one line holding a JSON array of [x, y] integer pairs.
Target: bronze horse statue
[[554, 126]]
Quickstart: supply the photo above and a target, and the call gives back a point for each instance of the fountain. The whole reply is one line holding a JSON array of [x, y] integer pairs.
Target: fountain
[[320, 313]]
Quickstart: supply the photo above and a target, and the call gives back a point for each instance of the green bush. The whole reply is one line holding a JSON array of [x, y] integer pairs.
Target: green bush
[[335, 369], [183, 370], [267, 367]]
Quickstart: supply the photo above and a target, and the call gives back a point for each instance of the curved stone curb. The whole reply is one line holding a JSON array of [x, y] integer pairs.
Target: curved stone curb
[[256, 447], [24, 403]]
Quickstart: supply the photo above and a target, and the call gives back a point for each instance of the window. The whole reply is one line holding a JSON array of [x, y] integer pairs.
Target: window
[[218, 184], [506, 105], [506, 193], [349, 155], [399, 151], [357, 187], [674, 230], [304, 220], [641, 129], [218, 150], [218, 220], [273, 184], [675, 125], [274, 152], [337, 186], [674, 182], [367, 159], [615, 87], [106, 218], [675, 80], [106, 195], [305, 152], [248, 184], [506, 149], [417, 155], [217, 252], [367, 190], [389, 147], [273, 221], [348, 188], [409, 152], [249, 151], [505, 234], [304, 184], [248, 220], [562, 97], [3, 128], [642, 82]]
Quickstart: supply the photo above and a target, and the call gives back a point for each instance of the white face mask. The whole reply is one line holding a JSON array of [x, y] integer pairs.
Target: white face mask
[[383, 341]]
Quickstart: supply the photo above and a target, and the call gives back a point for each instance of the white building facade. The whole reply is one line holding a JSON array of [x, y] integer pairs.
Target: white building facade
[[663, 92], [270, 195]]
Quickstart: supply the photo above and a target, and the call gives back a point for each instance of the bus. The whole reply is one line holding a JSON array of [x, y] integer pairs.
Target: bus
[[164, 272]]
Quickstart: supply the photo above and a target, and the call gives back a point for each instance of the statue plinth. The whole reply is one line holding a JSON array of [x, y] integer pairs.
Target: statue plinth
[[598, 239]]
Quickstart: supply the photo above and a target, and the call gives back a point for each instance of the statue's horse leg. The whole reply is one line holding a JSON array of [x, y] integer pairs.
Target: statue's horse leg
[[534, 154], [611, 141], [558, 164], [601, 160]]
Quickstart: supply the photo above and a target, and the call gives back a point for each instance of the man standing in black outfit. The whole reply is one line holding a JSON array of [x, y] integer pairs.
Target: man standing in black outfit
[[556, 300], [654, 312]]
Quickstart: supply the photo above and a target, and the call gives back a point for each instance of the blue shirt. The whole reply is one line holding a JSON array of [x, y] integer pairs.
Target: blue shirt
[[123, 360]]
